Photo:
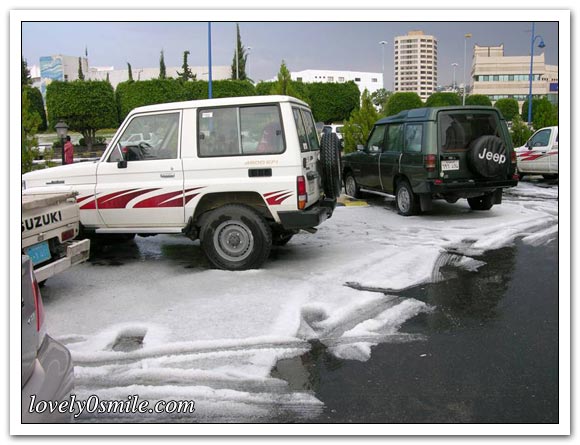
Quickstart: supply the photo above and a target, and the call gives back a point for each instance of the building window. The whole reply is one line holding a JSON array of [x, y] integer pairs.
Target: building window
[[341, 79], [374, 79], [357, 79], [299, 79], [330, 78]]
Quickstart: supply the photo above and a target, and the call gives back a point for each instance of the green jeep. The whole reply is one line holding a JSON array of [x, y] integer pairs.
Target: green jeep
[[435, 153]]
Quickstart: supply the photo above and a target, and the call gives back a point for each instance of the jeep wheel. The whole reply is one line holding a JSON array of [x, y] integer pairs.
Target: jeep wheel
[[351, 188], [236, 237], [488, 157], [330, 160], [484, 202], [407, 201]]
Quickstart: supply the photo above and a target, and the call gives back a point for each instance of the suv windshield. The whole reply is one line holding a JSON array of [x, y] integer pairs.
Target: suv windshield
[[457, 130]]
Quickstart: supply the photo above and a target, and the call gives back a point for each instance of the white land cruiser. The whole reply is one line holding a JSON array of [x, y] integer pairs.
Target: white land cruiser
[[238, 173]]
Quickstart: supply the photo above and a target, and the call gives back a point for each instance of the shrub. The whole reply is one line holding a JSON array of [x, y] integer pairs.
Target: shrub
[[131, 95], [520, 132], [478, 99], [357, 129], [509, 108], [403, 101], [37, 105], [443, 100], [544, 113]]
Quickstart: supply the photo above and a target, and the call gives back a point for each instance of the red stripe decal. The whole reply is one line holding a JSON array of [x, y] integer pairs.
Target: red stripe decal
[[163, 200], [89, 205], [190, 197], [120, 202], [272, 193], [278, 199]]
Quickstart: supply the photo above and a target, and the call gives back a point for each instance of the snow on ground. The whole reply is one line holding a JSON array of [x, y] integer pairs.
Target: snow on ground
[[152, 319]]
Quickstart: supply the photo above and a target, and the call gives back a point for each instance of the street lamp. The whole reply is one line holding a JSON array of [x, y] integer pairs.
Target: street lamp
[[61, 130], [454, 85], [467, 36], [540, 45], [249, 48], [383, 43]]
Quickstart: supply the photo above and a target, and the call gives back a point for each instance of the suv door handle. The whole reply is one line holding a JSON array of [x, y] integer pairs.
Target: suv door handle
[[167, 175]]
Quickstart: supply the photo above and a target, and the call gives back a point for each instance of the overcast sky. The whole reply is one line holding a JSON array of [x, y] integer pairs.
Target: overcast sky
[[303, 45]]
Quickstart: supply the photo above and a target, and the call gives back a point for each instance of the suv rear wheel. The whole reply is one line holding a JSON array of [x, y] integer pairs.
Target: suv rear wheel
[[236, 237], [484, 202], [407, 201]]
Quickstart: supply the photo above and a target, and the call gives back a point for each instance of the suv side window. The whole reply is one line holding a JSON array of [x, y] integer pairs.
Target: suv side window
[[394, 138], [414, 138], [302, 136], [310, 130], [376, 141], [149, 137], [541, 138], [235, 131]]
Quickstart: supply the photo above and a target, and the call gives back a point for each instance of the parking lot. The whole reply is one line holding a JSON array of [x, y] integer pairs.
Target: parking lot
[[150, 317]]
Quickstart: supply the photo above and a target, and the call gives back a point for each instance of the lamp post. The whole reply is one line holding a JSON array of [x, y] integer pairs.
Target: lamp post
[[383, 43], [249, 48], [454, 84], [61, 130], [209, 85], [467, 36], [540, 45]]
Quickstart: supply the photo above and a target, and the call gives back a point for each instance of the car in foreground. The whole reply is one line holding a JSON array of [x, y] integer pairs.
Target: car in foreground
[[46, 365], [539, 155], [240, 174], [435, 153]]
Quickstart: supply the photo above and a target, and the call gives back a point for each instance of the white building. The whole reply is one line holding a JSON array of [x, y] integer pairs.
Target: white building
[[118, 76], [498, 76], [416, 64], [371, 81]]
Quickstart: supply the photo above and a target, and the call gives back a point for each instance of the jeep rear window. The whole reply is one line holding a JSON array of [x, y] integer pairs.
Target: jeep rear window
[[240, 131], [458, 130], [306, 128]]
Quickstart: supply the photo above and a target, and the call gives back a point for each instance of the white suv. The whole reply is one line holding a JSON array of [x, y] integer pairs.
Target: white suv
[[238, 173]]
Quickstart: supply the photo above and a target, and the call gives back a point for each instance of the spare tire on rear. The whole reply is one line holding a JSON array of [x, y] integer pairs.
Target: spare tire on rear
[[330, 165], [488, 157]]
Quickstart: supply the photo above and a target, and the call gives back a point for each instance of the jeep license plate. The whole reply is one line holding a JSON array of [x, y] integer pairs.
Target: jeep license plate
[[38, 253], [450, 165]]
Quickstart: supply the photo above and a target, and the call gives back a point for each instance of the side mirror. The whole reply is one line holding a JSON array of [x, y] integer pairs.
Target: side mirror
[[122, 164], [360, 147]]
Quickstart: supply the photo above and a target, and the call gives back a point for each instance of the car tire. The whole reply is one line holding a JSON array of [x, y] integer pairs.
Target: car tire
[[351, 188], [330, 163], [236, 237], [406, 201], [550, 176], [478, 152], [484, 202]]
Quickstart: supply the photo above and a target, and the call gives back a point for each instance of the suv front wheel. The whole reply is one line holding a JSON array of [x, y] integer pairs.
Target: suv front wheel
[[236, 237], [484, 202]]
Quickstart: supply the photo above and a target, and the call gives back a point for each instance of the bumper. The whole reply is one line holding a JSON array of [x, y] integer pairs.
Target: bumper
[[469, 187], [51, 380], [311, 217], [76, 252]]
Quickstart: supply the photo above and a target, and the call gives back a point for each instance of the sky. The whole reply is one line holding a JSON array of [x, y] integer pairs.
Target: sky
[[352, 46]]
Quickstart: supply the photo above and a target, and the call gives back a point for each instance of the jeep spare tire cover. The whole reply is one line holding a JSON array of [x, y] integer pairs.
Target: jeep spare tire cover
[[487, 156], [330, 163]]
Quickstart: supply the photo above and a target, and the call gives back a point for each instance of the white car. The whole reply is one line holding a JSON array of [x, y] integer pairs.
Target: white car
[[240, 174], [539, 155]]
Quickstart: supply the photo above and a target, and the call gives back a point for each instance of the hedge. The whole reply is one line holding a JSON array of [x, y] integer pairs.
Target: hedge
[[37, 105], [403, 101], [443, 100], [478, 99]]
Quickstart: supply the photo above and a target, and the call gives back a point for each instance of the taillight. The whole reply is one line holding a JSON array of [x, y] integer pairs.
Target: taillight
[[301, 189], [430, 163], [38, 306], [68, 234], [514, 157]]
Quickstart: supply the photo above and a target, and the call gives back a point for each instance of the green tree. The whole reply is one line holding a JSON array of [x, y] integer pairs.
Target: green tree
[[129, 72], [403, 101], [29, 127], [443, 100], [332, 102], [162, 69], [85, 106], [131, 95], [36, 102], [544, 113], [357, 129], [239, 70], [186, 74], [478, 99], [25, 74], [80, 74], [285, 86], [380, 99], [509, 108], [520, 132]]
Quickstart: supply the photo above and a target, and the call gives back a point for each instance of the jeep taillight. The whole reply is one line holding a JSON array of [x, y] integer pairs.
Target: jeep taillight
[[301, 189], [38, 306], [430, 163], [514, 157]]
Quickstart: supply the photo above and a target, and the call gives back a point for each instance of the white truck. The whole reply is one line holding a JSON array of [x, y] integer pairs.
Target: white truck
[[539, 155], [50, 224]]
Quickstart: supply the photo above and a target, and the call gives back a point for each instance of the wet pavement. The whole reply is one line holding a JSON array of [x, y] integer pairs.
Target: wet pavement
[[489, 354]]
